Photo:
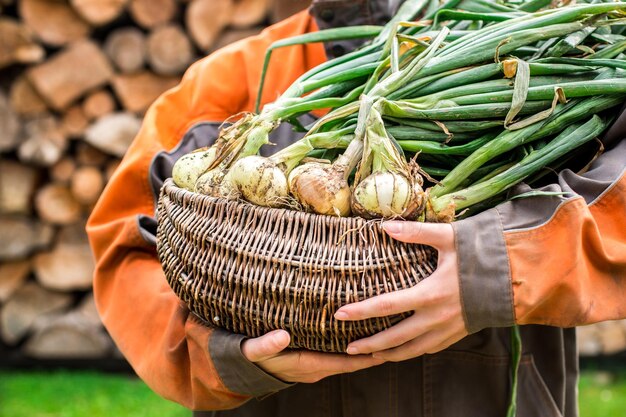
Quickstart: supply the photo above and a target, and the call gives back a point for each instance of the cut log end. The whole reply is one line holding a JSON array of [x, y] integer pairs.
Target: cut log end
[[54, 22], [99, 12], [98, 104], [169, 50], [55, 204], [126, 48], [87, 184], [151, 13], [205, 20]]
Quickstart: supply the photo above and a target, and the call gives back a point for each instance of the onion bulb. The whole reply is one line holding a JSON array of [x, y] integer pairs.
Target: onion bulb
[[215, 182], [321, 188], [386, 185], [388, 195], [259, 180], [190, 167], [263, 181]]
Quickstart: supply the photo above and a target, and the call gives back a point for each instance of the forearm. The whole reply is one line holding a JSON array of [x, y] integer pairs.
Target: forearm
[[549, 260]]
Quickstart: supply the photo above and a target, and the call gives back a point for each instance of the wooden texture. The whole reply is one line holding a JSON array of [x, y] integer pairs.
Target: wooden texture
[[98, 104], [151, 13], [282, 9], [9, 125], [55, 204], [113, 133], [205, 20], [18, 45], [74, 122], [137, 91], [169, 50], [24, 100], [27, 305], [17, 186], [71, 73], [21, 236], [67, 336], [249, 13], [69, 265], [44, 142], [87, 184], [62, 171], [12, 276], [99, 12], [126, 47], [54, 21], [87, 155]]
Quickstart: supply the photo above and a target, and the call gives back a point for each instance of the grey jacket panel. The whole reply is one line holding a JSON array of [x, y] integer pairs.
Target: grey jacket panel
[[486, 286], [236, 372], [485, 283]]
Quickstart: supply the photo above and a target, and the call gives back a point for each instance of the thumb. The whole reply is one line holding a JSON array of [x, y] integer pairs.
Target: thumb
[[266, 346], [439, 235]]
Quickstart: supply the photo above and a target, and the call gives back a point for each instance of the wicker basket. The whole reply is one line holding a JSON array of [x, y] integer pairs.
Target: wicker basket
[[252, 269]]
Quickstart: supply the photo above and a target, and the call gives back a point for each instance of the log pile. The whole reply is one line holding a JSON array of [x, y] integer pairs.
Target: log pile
[[76, 77]]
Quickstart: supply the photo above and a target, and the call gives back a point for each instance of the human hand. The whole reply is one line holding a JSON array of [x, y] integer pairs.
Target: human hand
[[437, 320], [268, 353]]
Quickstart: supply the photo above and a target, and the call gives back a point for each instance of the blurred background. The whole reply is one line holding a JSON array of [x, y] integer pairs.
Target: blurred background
[[76, 77]]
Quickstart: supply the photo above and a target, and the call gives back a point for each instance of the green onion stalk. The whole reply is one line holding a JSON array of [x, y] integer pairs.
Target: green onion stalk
[[565, 142]]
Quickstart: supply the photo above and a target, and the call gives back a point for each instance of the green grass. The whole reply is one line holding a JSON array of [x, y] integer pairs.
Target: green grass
[[80, 394], [91, 394], [602, 394]]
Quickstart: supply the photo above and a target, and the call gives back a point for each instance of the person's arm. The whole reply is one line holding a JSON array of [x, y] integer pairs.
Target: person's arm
[[170, 349], [564, 258], [166, 345], [557, 261]]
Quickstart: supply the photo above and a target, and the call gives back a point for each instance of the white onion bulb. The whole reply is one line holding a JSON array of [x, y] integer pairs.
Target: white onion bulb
[[191, 166], [387, 195], [260, 181]]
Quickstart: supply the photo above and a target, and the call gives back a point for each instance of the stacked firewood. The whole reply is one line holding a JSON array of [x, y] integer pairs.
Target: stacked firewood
[[76, 77]]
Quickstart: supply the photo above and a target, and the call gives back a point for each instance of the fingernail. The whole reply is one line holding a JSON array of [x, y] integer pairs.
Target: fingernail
[[392, 227], [341, 315], [352, 351]]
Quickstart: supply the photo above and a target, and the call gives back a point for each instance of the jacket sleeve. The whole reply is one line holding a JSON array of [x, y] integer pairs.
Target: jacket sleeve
[[177, 356], [558, 261]]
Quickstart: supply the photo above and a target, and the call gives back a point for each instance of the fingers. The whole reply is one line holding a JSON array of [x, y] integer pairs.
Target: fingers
[[432, 234], [430, 342], [394, 336], [380, 306], [331, 364], [266, 346]]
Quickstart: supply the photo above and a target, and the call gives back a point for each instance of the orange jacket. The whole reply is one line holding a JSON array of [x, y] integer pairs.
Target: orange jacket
[[557, 260], [164, 344]]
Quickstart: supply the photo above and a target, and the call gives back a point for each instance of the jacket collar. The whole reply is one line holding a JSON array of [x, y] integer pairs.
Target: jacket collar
[[340, 13]]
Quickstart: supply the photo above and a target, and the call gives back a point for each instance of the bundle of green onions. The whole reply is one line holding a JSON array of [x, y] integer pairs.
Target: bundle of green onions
[[472, 95]]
